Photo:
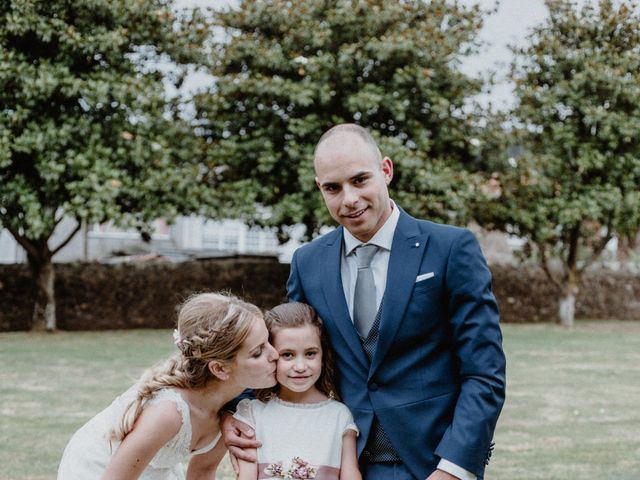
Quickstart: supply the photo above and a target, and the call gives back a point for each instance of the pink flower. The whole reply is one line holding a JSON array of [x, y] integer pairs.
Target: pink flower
[[299, 470], [274, 469]]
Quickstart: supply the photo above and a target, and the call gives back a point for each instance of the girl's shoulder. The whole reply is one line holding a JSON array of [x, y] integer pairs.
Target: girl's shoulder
[[338, 405], [250, 404], [339, 409], [247, 409], [344, 417]]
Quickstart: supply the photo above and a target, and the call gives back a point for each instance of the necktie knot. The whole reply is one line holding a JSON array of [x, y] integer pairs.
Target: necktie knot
[[364, 255]]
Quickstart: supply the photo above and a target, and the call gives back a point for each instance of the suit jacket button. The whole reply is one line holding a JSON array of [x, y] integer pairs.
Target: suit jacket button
[[373, 387]]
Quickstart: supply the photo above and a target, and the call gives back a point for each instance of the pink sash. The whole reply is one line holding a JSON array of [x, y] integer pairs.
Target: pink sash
[[323, 473]]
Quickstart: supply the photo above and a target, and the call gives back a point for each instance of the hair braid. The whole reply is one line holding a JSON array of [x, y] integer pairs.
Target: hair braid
[[211, 326]]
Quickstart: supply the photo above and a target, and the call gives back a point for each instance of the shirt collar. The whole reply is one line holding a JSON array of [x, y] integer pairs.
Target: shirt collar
[[383, 237]]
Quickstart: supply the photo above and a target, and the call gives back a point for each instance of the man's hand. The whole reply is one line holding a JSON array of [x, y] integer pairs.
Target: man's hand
[[441, 475], [238, 436]]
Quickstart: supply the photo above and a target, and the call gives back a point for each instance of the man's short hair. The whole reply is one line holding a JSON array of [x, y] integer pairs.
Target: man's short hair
[[354, 128]]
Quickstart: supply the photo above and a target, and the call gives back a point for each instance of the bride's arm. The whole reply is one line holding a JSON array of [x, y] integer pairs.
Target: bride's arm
[[204, 466], [156, 425]]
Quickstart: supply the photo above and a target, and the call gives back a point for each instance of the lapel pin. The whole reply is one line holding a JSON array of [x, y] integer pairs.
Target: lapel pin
[[417, 244]]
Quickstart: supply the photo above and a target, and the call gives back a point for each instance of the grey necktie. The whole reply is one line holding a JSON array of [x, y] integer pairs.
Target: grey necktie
[[364, 297]]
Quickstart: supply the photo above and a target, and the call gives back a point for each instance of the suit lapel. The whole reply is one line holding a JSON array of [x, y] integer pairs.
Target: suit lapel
[[406, 255], [334, 296]]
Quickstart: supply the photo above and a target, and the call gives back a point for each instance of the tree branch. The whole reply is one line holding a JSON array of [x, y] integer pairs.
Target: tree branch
[[601, 246], [56, 221], [68, 239], [22, 241]]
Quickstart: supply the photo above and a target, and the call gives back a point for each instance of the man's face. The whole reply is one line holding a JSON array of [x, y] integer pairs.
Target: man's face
[[353, 182]]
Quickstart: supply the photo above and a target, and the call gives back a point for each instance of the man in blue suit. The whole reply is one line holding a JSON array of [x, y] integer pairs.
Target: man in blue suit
[[409, 311], [424, 372]]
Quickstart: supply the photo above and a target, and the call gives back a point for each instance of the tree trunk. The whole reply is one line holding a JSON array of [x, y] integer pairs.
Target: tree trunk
[[41, 262], [567, 308], [44, 312]]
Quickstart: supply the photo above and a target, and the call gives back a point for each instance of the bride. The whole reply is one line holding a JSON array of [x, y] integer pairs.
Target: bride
[[171, 414]]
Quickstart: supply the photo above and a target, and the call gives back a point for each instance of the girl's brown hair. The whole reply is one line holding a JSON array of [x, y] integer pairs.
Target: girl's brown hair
[[211, 326], [293, 315]]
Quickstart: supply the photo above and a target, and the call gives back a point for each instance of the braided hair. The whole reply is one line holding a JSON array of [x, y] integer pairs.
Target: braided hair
[[211, 326]]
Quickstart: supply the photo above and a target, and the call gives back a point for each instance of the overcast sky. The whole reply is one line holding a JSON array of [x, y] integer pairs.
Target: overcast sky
[[509, 25]]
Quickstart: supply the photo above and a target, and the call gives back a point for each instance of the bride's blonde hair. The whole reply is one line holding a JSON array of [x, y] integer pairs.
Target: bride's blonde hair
[[211, 326]]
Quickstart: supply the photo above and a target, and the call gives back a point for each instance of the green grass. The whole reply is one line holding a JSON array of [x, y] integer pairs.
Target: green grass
[[572, 408]]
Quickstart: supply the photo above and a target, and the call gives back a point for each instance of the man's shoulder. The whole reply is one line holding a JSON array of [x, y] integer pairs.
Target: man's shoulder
[[441, 230], [322, 241]]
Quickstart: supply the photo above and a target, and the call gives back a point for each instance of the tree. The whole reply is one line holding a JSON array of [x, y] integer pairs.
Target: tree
[[287, 71], [86, 130], [577, 183]]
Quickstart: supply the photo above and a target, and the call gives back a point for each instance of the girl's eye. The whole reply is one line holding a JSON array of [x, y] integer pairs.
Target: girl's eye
[[258, 353], [311, 354], [286, 355]]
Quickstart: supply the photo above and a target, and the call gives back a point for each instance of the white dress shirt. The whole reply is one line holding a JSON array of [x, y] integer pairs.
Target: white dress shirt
[[379, 267]]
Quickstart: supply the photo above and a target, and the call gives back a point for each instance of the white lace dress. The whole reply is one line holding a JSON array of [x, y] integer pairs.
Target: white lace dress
[[89, 451]]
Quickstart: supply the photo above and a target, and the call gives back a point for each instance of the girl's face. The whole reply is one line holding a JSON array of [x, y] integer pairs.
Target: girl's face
[[299, 363], [255, 362]]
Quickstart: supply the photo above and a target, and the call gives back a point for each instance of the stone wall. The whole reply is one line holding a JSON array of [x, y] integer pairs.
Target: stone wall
[[97, 296]]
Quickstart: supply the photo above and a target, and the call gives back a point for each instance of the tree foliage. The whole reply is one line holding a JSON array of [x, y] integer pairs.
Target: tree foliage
[[85, 126], [287, 71], [577, 184]]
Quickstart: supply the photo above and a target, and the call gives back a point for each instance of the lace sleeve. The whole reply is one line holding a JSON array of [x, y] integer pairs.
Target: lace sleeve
[[244, 412]]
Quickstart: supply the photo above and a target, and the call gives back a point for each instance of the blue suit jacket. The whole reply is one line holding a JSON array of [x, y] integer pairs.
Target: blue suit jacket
[[437, 378]]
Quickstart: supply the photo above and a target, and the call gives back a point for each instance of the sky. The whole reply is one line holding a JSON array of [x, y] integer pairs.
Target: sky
[[508, 26]]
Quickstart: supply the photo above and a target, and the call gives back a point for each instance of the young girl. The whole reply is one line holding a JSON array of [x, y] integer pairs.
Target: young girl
[[172, 412], [304, 432]]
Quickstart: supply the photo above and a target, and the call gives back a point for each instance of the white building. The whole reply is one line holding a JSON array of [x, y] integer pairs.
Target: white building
[[187, 238]]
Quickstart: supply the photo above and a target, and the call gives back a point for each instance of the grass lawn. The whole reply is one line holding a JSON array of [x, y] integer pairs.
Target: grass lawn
[[572, 410]]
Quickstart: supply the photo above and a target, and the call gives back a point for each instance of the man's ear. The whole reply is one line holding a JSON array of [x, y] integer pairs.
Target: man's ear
[[387, 169], [219, 369], [317, 182]]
